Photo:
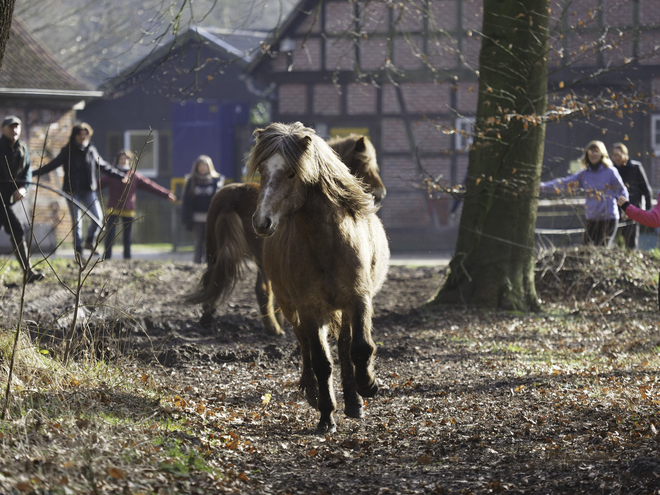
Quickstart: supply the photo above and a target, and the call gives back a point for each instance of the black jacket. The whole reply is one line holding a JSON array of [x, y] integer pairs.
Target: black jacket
[[197, 196], [633, 176], [14, 166], [80, 168]]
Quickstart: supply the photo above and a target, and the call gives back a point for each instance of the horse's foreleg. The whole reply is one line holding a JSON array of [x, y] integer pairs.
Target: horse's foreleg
[[323, 370], [363, 349], [353, 405], [271, 315], [308, 383]]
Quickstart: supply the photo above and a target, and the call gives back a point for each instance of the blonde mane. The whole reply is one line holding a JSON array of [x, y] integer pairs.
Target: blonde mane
[[314, 162]]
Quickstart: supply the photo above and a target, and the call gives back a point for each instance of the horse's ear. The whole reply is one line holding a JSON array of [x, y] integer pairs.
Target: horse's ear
[[360, 145], [257, 134], [304, 142]]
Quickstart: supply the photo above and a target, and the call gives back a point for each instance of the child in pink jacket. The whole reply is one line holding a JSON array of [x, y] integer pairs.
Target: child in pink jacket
[[122, 197], [650, 218]]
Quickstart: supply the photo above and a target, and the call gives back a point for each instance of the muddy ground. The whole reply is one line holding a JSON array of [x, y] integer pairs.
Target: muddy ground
[[471, 402]]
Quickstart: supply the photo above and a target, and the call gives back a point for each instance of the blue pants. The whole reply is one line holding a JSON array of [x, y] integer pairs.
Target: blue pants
[[90, 202]]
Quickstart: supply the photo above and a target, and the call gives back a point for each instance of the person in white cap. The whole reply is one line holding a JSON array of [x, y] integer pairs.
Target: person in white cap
[[15, 178]]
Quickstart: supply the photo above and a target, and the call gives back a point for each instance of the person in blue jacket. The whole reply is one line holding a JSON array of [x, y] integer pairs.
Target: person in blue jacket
[[201, 185], [603, 185]]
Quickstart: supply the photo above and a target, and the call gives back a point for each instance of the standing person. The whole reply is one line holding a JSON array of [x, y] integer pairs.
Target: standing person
[[633, 176], [81, 162], [649, 218], [122, 197], [15, 178], [201, 185], [600, 179]]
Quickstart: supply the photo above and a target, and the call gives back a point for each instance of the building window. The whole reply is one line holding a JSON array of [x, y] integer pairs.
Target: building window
[[464, 133], [655, 133], [144, 144]]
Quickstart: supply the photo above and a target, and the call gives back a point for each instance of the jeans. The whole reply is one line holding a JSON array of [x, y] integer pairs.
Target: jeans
[[90, 202], [113, 221]]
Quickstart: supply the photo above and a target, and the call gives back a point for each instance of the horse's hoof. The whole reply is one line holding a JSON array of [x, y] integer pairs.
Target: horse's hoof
[[354, 411], [368, 391], [325, 428], [206, 321]]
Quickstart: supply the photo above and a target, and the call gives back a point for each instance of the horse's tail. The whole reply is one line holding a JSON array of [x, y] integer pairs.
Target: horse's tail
[[226, 262]]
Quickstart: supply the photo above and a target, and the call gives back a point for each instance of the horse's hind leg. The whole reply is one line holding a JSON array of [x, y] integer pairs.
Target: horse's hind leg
[[308, 383], [363, 349], [353, 405], [207, 315], [323, 370], [271, 315]]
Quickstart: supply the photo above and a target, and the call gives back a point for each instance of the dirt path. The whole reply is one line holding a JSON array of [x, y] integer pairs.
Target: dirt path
[[470, 402]]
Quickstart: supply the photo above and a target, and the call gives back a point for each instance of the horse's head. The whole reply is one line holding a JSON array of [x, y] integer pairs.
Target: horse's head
[[359, 155], [277, 157]]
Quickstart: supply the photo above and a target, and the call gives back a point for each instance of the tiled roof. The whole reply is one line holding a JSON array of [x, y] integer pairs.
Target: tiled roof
[[27, 64]]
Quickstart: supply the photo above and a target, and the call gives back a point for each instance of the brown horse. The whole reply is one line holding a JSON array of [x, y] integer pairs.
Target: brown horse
[[230, 238], [326, 256]]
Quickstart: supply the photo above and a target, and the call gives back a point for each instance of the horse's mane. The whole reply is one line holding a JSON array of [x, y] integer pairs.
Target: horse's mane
[[315, 163], [360, 149]]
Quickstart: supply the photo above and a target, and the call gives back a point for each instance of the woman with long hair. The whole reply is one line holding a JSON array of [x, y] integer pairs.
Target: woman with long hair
[[602, 184], [201, 184]]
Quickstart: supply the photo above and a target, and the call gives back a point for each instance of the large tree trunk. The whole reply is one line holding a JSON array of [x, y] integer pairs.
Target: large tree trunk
[[493, 265], [6, 14]]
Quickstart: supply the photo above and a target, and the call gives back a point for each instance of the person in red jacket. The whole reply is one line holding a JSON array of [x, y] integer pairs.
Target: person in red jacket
[[649, 218], [122, 197]]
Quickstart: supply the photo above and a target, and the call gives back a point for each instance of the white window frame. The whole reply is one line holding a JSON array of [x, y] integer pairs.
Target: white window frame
[[655, 138], [148, 171], [462, 143]]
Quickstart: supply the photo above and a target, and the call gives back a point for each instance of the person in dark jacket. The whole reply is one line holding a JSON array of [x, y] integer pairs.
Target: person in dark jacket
[[122, 197], [633, 176], [81, 163], [201, 185], [15, 178]]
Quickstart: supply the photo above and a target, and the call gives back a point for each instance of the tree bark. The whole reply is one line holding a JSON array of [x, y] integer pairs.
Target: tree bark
[[6, 14], [493, 265]]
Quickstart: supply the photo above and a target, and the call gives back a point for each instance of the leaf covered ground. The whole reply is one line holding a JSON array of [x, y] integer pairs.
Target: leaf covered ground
[[563, 401]]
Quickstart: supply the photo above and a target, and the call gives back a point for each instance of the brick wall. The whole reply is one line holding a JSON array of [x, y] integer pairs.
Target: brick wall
[[390, 100], [426, 98], [327, 99], [649, 53], [407, 52], [620, 47], [409, 16], [406, 210], [470, 52], [361, 99], [373, 53], [375, 17], [467, 94], [292, 99], [339, 17], [441, 51], [582, 49], [339, 54], [443, 15], [617, 13], [583, 13], [429, 137], [472, 14], [307, 58], [394, 136], [649, 12]]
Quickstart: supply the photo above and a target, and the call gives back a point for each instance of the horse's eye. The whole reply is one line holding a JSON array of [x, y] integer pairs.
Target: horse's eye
[[292, 174]]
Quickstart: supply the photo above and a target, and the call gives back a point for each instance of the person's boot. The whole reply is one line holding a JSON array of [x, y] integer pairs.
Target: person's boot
[[24, 261]]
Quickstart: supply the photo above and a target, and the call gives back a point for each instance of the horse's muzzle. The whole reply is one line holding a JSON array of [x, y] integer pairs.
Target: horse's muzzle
[[263, 227]]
